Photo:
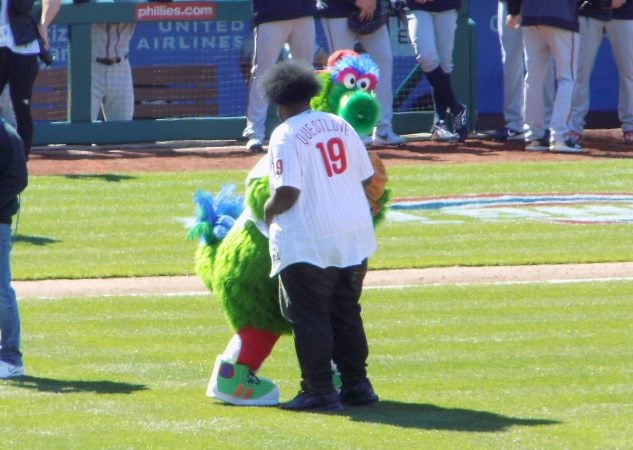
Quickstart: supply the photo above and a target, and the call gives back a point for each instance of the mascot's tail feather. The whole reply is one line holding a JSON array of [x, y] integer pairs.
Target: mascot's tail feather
[[215, 217]]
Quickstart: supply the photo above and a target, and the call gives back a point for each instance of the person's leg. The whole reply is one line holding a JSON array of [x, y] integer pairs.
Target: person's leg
[[9, 316], [621, 38], [21, 78], [97, 88], [118, 104], [337, 34], [536, 59], [445, 27], [302, 39], [378, 46], [591, 34], [305, 297], [350, 343], [422, 36], [269, 39], [564, 47], [512, 60]]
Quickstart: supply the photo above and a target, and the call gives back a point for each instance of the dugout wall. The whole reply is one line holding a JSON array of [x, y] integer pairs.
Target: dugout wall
[[189, 61]]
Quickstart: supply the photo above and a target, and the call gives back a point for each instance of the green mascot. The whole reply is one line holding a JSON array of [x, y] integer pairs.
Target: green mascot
[[232, 258]]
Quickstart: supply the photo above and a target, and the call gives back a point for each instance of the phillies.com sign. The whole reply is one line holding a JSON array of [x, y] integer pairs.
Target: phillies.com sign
[[181, 11]]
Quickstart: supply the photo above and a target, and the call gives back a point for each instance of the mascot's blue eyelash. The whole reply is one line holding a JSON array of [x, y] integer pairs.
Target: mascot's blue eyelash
[[362, 64]]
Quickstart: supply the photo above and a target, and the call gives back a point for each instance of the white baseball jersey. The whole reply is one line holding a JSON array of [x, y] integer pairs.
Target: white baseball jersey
[[330, 224]]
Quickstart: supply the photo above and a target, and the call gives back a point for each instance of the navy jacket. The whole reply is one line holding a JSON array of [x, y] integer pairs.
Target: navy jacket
[[13, 174], [23, 26], [625, 12], [274, 10], [436, 5], [333, 9], [554, 13], [594, 12]]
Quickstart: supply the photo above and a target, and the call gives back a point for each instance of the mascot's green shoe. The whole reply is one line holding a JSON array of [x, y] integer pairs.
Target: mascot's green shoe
[[237, 384]]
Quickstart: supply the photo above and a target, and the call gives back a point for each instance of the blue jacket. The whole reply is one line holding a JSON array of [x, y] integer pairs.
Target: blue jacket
[[23, 26], [274, 10], [333, 9], [554, 13], [436, 5], [13, 173]]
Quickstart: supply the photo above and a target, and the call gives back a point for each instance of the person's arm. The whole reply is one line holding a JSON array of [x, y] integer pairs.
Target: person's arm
[[282, 200], [366, 8], [13, 172], [50, 8]]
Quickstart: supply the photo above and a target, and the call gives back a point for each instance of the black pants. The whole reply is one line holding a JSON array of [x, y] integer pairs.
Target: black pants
[[19, 72], [323, 307]]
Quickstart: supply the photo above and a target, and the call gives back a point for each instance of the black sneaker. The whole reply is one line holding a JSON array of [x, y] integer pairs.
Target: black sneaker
[[305, 401], [359, 394], [460, 124]]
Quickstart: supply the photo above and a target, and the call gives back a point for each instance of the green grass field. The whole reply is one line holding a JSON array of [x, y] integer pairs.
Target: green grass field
[[515, 366], [132, 224], [479, 366]]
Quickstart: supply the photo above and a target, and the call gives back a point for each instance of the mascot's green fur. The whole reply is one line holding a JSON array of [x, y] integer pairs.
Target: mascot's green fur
[[243, 255], [233, 261]]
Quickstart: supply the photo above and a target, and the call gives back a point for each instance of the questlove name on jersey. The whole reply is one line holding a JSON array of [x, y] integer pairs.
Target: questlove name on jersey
[[318, 126]]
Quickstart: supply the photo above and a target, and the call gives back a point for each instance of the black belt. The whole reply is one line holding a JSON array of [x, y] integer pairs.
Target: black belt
[[108, 61]]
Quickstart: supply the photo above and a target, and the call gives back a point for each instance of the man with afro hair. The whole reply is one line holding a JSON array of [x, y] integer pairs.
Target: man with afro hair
[[320, 237]]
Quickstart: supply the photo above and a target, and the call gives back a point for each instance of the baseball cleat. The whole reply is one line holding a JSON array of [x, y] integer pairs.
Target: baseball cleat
[[388, 138], [440, 133], [507, 134], [566, 146], [367, 140], [539, 144], [255, 145]]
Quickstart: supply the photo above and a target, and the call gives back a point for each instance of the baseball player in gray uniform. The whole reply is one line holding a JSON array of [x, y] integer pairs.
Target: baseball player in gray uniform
[[277, 22], [112, 86], [550, 30], [334, 19], [615, 19], [513, 64], [431, 25]]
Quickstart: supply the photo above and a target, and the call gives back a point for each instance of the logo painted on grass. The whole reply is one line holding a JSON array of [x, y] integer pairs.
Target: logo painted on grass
[[559, 208]]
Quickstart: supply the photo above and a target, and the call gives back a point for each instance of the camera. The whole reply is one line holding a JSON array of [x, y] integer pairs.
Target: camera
[[45, 54]]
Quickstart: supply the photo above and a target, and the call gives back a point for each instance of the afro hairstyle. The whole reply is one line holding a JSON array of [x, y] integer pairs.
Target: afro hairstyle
[[290, 83]]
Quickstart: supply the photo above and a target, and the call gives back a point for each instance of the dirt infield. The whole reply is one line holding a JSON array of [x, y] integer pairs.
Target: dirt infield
[[209, 155]]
